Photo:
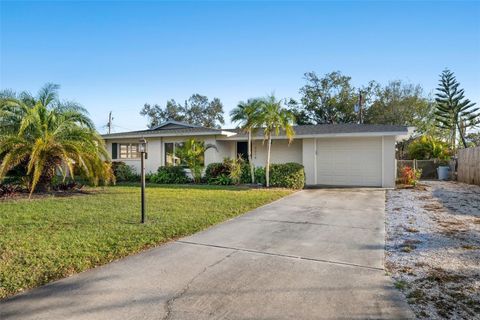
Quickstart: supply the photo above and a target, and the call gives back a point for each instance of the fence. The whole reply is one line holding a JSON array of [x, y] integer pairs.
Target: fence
[[468, 169], [428, 167]]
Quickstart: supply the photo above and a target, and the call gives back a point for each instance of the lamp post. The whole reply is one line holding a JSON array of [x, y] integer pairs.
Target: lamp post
[[143, 152]]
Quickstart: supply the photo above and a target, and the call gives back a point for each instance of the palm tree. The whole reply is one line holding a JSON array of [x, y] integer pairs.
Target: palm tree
[[46, 135], [274, 118], [246, 115], [192, 154]]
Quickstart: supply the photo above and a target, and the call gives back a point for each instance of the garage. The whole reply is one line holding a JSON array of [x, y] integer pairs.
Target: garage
[[349, 161]]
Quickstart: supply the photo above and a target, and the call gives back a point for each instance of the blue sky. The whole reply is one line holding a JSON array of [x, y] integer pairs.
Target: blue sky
[[116, 56]]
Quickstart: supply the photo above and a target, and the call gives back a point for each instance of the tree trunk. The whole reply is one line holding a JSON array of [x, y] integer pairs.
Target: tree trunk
[[460, 131], [267, 167], [250, 156]]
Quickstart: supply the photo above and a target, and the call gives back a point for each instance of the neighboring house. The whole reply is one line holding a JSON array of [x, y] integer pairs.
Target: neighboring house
[[332, 154]]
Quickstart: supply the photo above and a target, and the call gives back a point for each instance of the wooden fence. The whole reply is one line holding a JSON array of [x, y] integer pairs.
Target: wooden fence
[[468, 169]]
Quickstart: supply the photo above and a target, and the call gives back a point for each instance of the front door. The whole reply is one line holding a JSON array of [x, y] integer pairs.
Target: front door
[[242, 150]]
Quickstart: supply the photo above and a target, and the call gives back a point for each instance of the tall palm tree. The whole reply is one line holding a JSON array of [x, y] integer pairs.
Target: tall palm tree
[[46, 135], [246, 115], [274, 118]]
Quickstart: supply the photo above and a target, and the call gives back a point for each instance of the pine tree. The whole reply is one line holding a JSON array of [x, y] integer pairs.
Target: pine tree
[[454, 112]]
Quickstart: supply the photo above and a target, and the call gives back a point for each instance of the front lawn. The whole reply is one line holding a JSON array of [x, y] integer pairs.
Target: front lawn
[[49, 238]]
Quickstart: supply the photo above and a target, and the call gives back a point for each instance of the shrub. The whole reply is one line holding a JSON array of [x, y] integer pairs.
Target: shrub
[[214, 170], [9, 190], [287, 175], [67, 186], [260, 175], [170, 175], [223, 180], [246, 176], [427, 147], [410, 176], [124, 172]]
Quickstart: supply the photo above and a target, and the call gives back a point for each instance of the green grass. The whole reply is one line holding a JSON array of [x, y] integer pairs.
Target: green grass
[[49, 238]]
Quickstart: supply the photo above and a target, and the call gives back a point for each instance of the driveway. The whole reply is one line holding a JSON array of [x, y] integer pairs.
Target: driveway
[[317, 254]]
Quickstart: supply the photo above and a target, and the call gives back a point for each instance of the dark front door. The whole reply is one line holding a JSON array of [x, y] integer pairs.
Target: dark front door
[[242, 150]]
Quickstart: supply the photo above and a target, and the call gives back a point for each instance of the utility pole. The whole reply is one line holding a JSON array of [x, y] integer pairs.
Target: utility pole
[[109, 124], [360, 105]]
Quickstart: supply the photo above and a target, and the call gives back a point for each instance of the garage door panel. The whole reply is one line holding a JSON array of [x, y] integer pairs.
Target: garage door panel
[[349, 161]]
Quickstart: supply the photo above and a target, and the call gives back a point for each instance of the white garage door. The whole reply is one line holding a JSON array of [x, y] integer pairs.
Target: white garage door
[[349, 161]]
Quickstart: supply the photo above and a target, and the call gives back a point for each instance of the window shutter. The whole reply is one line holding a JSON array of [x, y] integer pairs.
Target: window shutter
[[114, 150]]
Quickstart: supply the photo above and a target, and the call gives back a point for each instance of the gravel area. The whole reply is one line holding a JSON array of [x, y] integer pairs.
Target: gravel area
[[433, 248]]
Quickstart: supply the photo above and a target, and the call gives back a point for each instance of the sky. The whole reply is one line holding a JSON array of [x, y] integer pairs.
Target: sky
[[117, 56]]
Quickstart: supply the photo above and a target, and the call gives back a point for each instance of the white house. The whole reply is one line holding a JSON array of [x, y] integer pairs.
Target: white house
[[332, 154]]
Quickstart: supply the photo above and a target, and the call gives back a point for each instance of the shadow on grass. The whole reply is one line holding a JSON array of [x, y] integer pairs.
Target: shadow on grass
[[188, 186]]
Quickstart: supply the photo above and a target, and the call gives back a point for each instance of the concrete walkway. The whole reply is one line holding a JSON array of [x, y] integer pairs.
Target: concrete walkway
[[317, 254]]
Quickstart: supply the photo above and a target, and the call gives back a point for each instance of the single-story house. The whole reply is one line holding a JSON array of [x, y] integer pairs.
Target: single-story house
[[332, 154]]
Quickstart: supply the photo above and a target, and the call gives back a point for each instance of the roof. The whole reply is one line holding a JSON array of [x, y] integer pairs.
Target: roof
[[328, 129], [174, 128]]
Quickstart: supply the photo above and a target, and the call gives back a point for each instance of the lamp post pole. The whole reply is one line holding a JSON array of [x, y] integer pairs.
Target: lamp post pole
[[143, 150]]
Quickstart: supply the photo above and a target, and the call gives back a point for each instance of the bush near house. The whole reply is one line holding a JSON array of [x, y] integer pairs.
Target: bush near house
[[170, 175], [124, 172], [410, 176], [287, 175]]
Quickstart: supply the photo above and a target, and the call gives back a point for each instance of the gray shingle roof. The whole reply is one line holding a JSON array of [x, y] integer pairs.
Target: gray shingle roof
[[179, 131], [302, 130], [314, 129]]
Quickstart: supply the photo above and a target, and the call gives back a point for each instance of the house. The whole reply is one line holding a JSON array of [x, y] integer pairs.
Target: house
[[332, 154]]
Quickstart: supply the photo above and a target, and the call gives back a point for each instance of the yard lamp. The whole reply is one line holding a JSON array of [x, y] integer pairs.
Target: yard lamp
[[142, 146]]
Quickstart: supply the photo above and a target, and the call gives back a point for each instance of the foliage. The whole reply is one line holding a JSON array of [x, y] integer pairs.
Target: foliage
[[234, 168], [9, 190], [287, 175], [454, 112], [67, 186], [274, 118], [170, 175], [192, 155], [260, 175], [124, 172], [54, 237], [405, 104], [473, 139], [48, 135], [410, 176], [197, 110], [246, 175], [427, 147], [247, 116], [222, 180], [214, 170], [330, 99]]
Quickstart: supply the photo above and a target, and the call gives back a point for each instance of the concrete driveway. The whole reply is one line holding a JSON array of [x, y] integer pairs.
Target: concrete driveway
[[317, 254]]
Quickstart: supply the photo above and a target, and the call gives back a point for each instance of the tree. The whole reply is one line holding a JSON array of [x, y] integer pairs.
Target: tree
[[197, 110], [274, 118], [46, 135], [427, 147], [454, 112], [473, 139], [405, 104], [192, 154], [330, 99], [246, 115]]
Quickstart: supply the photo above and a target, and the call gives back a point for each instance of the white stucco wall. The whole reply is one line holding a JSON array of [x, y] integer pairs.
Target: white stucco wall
[[281, 152]]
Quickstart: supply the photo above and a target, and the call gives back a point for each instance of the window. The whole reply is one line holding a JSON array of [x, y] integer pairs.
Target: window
[[171, 158], [128, 150]]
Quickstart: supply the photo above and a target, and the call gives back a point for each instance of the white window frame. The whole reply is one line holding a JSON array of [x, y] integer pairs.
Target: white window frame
[[129, 151]]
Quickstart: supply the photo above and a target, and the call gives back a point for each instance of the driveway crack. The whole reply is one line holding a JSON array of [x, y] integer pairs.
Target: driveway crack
[[171, 301]]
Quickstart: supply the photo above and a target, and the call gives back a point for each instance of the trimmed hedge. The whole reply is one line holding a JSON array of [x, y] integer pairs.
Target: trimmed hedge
[[170, 175], [287, 175]]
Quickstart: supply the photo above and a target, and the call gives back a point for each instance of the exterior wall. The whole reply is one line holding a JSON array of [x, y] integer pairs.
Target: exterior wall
[[309, 160], [281, 152], [388, 157]]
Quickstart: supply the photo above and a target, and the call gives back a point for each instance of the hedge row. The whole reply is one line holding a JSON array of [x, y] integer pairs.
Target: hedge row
[[287, 175]]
